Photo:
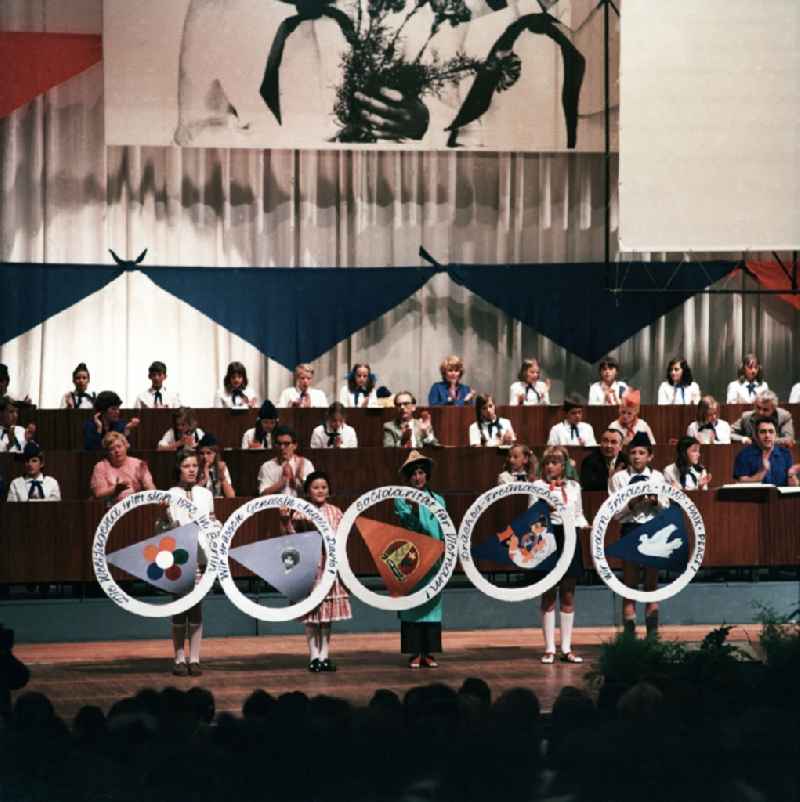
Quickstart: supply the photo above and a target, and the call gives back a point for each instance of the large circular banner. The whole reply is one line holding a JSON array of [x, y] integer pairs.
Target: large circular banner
[[208, 529], [545, 538], [222, 545], [657, 542], [446, 566]]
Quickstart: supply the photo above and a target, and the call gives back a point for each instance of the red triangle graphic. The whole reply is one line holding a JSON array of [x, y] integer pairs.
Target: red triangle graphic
[[32, 63], [402, 557]]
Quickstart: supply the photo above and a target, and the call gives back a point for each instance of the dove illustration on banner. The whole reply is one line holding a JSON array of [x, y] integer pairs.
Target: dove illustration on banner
[[662, 542]]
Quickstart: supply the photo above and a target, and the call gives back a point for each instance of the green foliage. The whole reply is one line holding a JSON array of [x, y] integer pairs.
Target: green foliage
[[628, 660], [779, 639]]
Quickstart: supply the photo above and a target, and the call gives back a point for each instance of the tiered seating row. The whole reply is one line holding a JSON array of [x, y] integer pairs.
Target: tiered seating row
[[62, 430]]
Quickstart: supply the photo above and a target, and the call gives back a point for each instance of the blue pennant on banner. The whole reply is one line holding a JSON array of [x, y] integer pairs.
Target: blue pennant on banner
[[591, 322], [660, 543], [292, 315], [32, 293], [527, 543], [295, 315]]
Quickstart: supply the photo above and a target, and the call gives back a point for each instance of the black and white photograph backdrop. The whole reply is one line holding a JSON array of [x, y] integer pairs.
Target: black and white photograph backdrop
[[315, 74]]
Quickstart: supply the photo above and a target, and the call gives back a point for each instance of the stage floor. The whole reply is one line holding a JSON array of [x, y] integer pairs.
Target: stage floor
[[100, 673]]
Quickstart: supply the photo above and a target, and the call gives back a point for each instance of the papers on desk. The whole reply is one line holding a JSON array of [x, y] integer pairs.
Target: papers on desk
[[788, 491], [747, 486]]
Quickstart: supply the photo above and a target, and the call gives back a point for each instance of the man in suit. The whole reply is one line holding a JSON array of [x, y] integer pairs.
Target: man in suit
[[765, 406], [602, 463], [406, 431]]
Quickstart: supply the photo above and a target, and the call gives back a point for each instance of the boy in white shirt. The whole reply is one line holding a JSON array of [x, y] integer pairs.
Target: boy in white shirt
[[334, 433], [156, 396], [34, 485], [572, 431], [303, 394], [639, 511], [287, 472]]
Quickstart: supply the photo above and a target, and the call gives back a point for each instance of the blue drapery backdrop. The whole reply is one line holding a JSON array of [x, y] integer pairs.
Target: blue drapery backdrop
[[294, 315]]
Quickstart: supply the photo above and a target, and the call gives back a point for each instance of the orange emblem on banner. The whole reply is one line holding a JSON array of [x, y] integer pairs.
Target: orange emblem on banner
[[403, 558]]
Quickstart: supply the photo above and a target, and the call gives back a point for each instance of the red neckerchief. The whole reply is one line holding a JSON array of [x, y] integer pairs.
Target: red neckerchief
[[554, 483]]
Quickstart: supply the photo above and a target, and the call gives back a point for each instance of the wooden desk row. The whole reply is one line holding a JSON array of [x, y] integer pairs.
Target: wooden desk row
[[62, 430], [351, 470], [49, 542]]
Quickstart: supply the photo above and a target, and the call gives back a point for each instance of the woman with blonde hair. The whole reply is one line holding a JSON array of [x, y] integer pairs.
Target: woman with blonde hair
[[450, 391]]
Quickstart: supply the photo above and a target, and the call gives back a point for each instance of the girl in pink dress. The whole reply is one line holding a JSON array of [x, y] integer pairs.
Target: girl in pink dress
[[336, 605]]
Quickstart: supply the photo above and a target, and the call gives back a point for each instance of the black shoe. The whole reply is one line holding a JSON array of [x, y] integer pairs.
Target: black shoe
[[315, 666], [629, 627], [651, 622], [195, 670], [180, 670], [327, 665]]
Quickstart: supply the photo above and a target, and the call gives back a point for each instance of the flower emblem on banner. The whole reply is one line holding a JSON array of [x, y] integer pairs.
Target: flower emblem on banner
[[164, 559]]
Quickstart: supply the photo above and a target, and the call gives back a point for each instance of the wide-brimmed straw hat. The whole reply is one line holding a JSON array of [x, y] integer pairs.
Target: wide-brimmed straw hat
[[415, 460]]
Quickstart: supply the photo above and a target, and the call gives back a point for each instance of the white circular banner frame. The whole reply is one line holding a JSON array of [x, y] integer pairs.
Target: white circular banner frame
[[617, 501], [473, 514], [209, 529], [449, 559], [222, 545]]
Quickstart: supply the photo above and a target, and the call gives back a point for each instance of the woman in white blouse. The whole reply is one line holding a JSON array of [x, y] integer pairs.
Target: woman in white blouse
[[679, 386]]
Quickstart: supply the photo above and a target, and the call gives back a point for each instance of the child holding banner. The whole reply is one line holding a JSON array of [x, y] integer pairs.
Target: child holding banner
[[420, 628], [336, 604], [638, 512], [554, 478], [191, 622]]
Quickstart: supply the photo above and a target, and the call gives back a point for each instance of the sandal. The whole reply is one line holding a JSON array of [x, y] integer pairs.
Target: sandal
[[315, 666], [548, 658], [571, 657], [327, 665]]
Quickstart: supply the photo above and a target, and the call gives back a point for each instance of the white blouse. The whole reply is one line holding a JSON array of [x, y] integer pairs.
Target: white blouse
[[538, 393], [739, 392], [493, 438], [574, 501], [722, 433], [670, 394], [347, 399], [693, 477], [597, 393]]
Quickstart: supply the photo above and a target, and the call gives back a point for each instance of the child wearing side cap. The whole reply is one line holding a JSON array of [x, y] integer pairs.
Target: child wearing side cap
[[629, 424], [34, 485], [80, 397], [639, 511], [572, 431], [156, 395], [213, 473], [260, 436]]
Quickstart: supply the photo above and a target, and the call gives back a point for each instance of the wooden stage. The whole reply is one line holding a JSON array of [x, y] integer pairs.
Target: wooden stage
[[75, 674]]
